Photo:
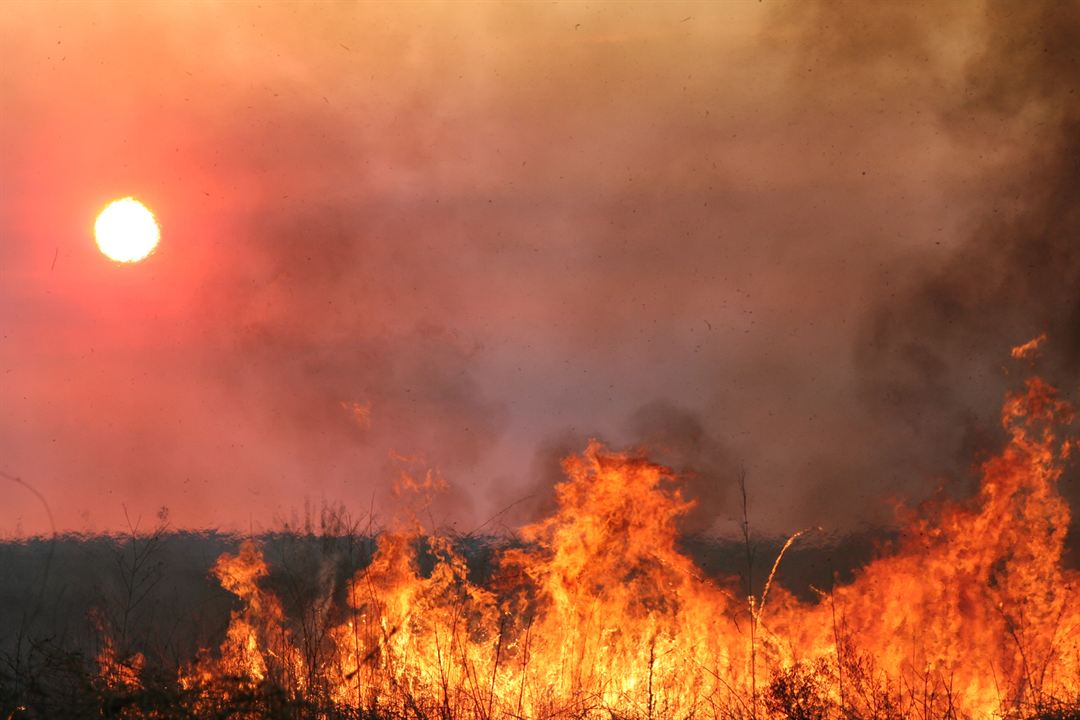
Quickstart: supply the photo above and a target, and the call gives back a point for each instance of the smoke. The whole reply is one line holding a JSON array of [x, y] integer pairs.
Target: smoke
[[703, 468], [1014, 275], [707, 470], [475, 236], [931, 354]]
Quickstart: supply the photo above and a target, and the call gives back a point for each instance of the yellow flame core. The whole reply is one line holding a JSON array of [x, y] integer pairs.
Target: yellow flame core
[[126, 231]]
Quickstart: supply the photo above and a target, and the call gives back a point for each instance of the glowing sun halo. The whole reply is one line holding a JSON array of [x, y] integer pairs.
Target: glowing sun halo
[[126, 231]]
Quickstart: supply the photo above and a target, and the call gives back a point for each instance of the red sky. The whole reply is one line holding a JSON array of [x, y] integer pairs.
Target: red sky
[[503, 229]]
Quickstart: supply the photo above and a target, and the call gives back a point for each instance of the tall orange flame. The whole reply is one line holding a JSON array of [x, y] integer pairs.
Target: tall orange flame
[[599, 614]]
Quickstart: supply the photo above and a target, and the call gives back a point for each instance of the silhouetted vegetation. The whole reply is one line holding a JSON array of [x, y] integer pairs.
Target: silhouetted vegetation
[[79, 615]]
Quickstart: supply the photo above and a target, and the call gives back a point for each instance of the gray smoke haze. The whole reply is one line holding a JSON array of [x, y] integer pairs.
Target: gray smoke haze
[[930, 355], [795, 239]]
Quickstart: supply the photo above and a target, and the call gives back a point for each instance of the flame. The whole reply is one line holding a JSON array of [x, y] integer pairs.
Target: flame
[[1029, 348], [117, 674], [598, 614]]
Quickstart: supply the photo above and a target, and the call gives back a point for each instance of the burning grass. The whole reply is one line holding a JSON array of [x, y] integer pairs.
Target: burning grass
[[598, 612]]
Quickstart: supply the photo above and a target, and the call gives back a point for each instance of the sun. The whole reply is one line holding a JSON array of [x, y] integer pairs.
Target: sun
[[126, 231]]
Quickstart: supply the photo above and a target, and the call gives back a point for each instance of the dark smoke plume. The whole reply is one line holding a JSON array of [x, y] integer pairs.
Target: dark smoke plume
[[932, 351]]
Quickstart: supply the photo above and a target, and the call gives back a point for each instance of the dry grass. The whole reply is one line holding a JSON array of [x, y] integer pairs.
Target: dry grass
[[56, 676]]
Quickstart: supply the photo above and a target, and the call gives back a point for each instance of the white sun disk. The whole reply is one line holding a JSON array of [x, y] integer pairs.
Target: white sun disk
[[126, 231]]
